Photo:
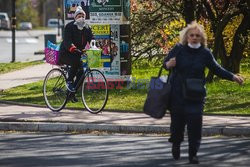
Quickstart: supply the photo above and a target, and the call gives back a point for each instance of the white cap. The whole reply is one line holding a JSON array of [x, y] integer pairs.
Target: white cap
[[78, 11]]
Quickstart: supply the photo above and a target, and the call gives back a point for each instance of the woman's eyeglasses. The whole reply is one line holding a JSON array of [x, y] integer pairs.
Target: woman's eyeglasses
[[192, 35]]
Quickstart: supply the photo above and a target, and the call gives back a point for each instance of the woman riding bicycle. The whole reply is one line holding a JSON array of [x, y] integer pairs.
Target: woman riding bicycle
[[76, 36]]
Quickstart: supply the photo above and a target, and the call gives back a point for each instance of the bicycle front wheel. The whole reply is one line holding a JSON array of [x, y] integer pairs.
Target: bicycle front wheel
[[54, 90], [94, 91]]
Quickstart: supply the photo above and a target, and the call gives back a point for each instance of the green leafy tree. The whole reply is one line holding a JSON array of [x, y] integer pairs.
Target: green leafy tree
[[156, 25], [221, 14], [26, 12], [148, 21]]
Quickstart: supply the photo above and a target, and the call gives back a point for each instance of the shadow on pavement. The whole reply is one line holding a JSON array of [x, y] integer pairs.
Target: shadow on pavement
[[115, 151]]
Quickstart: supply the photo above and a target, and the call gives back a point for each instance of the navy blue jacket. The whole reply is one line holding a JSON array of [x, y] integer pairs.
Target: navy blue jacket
[[191, 63]]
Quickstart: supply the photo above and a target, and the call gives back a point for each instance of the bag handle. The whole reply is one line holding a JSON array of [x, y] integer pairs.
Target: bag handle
[[160, 71], [179, 47]]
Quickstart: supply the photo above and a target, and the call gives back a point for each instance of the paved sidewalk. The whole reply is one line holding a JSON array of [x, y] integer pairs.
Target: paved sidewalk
[[14, 117], [24, 76]]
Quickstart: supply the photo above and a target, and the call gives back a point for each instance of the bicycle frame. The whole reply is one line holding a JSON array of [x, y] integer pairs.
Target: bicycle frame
[[82, 78], [94, 101], [82, 75]]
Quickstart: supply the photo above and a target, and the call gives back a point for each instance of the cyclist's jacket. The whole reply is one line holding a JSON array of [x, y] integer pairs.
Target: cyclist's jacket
[[74, 38]]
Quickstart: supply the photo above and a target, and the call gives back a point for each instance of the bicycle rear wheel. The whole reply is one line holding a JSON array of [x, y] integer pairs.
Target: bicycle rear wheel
[[54, 90], [94, 91]]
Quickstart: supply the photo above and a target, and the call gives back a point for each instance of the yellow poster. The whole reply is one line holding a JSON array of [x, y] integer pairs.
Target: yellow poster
[[101, 29]]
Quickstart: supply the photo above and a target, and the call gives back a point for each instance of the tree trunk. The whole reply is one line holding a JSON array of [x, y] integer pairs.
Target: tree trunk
[[189, 11], [42, 11], [218, 48], [239, 42]]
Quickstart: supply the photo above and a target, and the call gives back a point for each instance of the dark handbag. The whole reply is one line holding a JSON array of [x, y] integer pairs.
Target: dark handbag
[[158, 96], [194, 89]]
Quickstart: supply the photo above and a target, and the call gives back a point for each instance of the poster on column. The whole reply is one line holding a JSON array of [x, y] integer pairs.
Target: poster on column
[[106, 11], [71, 5], [107, 39], [109, 21], [100, 11]]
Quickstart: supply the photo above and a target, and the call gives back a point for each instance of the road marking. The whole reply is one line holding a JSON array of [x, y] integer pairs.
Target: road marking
[[25, 40], [31, 40], [9, 40]]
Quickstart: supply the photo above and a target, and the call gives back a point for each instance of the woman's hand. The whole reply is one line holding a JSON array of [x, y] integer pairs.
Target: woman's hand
[[171, 63], [238, 79], [77, 52]]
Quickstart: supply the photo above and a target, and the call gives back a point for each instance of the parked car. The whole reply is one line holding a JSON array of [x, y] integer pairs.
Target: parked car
[[4, 21], [53, 23], [25, 26]]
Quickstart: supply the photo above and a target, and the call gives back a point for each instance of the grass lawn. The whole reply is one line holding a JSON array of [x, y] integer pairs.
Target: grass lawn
[[8, 67], [224, 97]]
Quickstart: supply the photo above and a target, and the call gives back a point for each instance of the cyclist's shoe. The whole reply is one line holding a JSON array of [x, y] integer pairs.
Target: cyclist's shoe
[[70, 86], [74, 99]]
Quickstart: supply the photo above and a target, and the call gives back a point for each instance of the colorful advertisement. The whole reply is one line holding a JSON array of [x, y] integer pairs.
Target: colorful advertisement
[[125, 49], [114, 51], [100, 11], [106, 11], [106, 6], [102, 37], [71, 5], [109, 21], [107, 40]]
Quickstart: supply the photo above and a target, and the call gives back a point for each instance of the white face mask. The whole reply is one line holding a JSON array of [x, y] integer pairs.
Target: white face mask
[[194, 46], [80, 22]]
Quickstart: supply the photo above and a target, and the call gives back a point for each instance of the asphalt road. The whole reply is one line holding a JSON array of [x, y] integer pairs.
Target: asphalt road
[[27, 43], [114, 150]]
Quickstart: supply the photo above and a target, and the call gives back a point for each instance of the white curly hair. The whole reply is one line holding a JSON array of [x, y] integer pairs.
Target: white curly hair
[[193, 25]]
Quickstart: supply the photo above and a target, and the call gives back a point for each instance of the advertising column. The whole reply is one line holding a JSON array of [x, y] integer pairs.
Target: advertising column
[[109, 20]]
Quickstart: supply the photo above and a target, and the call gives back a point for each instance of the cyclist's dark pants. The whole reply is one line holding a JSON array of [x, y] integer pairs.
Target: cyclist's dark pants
[[76, 64]]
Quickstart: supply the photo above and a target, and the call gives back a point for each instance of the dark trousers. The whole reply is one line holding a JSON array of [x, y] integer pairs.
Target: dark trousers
[[194, 130], [76, 66]]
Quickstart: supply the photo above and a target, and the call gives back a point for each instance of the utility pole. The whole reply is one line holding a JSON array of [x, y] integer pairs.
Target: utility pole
[[63, 17], [44, 13], [13, 27], [58, 17]]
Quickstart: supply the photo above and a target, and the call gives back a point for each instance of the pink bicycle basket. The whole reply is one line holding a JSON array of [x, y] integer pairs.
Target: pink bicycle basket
[[51, 56]]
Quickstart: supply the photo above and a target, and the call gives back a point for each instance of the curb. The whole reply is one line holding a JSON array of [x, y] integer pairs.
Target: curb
[[68, 108], [80, 127], [109, 110]]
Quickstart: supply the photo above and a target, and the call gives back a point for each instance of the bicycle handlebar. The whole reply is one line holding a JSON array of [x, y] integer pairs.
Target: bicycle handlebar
[[82, 52]]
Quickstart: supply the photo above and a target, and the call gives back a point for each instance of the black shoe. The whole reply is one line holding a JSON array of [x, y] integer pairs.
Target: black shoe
[[193, 160], [74, 99], [70, 86], [176, 151]]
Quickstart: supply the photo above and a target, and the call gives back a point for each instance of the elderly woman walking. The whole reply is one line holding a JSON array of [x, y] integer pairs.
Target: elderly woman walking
[[188, 61]]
